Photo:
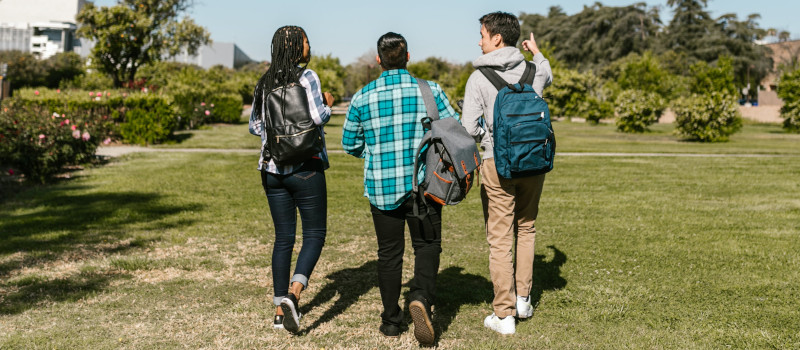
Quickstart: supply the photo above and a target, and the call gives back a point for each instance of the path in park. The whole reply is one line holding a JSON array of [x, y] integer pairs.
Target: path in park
[[116, 151]]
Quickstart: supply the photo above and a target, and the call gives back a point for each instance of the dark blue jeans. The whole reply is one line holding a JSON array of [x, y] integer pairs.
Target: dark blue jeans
[[305, 189]]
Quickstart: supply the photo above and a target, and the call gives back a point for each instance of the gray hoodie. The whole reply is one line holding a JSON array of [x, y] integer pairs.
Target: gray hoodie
[[480, 94]]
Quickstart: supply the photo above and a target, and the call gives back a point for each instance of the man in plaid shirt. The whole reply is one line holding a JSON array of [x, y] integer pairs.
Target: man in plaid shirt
[[384, 127]]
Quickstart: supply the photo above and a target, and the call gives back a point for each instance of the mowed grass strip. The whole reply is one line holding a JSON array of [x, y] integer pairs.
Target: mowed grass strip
[[172, 250], [571, 136]]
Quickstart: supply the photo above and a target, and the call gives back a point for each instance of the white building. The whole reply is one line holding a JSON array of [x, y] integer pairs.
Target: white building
[[47, 27], [43, 27], [217, 53]]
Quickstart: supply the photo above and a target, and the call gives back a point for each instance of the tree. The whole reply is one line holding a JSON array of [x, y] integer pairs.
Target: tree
[[331, 74], [361, 72], [598, 34], [134, 33], [783, 36]]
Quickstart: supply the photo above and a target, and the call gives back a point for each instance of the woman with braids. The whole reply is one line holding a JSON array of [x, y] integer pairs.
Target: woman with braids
[[296, 186]]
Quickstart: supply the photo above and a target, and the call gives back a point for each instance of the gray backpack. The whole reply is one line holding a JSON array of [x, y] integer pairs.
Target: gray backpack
[[452, 156]]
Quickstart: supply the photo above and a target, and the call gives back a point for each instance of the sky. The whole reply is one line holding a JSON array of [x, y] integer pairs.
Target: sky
[[445, 29]]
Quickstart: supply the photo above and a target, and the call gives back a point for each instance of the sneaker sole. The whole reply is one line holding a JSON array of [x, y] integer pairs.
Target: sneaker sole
[[423, 329], [291, 320]]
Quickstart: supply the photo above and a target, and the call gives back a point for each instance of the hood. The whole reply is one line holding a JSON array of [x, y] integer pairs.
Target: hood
[[501, 59]]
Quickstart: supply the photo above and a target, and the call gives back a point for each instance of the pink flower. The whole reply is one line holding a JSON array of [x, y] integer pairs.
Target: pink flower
[[202, 104], [73, 128], [61, 124], [36, 92], [212, 105], [41, 136], [76, 134], [58, 91], [99, 93], [108, 94], [86, 136], [105, 117], [91, 93], [107, 141], [208, 113], [10, 171], [66, 122]]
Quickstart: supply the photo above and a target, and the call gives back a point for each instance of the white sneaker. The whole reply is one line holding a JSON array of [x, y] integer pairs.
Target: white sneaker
[[500, 325], [524, 307]]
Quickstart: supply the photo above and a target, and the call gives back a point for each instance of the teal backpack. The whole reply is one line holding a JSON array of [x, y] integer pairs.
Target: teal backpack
[[524, 142]]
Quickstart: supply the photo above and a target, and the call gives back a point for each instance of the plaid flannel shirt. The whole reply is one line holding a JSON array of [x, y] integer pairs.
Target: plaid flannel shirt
[[384, 127], [320, 113]]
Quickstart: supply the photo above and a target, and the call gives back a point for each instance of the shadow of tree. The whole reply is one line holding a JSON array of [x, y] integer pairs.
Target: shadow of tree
[[50, 224], [31, 292], [349, 284]]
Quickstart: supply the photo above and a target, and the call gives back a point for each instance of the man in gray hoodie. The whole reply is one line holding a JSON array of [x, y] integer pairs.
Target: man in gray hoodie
[[506, 202]]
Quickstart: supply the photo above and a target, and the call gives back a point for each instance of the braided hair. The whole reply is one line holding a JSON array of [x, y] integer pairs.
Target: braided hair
[[287, 54]]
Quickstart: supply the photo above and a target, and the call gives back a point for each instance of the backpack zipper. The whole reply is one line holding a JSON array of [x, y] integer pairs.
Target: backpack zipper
[[530, 141], [279, 137]]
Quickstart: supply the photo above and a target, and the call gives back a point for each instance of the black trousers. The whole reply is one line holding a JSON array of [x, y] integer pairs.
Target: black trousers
[[426, 239]]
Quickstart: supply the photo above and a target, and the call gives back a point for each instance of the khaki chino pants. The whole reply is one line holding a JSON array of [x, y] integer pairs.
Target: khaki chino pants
[[507, 202]]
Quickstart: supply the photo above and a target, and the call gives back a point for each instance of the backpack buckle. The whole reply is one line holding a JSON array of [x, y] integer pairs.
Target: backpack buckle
[[426, 123]]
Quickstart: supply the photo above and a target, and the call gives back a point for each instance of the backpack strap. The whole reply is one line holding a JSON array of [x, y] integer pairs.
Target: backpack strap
[[430, 101], [529, 74], [494, 78]]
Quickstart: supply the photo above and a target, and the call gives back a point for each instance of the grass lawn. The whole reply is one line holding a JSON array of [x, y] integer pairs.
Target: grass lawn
[[572, 137], [172, 250]]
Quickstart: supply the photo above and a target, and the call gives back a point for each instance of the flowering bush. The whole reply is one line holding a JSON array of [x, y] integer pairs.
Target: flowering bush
[[707, 118], [39, 143], [113, 105], [636, 110]]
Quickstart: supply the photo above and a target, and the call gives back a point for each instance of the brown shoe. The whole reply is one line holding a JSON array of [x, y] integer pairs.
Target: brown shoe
[[423, 329]]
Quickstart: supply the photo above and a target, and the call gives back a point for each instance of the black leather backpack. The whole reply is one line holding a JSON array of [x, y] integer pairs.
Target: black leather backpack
[[292, 136]]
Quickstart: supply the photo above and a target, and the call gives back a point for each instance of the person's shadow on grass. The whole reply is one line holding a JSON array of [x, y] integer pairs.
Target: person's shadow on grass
[[350, 284], [547, 275], [454, 288]]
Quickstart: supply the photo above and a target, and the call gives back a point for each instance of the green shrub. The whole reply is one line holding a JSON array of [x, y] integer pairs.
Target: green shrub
[[575, 94], [193, 89], [39, 143], [789, 92], [226, 108], [707, 79], [636, 110], [707, 118], [148, 121], [25, 70]]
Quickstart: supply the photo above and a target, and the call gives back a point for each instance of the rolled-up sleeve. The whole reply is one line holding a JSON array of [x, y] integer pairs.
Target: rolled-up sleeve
[[320, 113], [353, 133]]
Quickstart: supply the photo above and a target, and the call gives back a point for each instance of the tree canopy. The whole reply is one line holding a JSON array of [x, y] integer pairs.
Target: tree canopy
[[599, 35], [134, 33]]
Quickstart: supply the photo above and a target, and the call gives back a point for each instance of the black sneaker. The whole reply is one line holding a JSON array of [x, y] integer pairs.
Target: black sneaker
[[277, 323], [420, 314], [291, 320], [390, 330]]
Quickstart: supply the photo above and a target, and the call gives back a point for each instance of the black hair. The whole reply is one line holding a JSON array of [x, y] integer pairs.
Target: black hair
[[287, 54], [503, 23], [393, 51]]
